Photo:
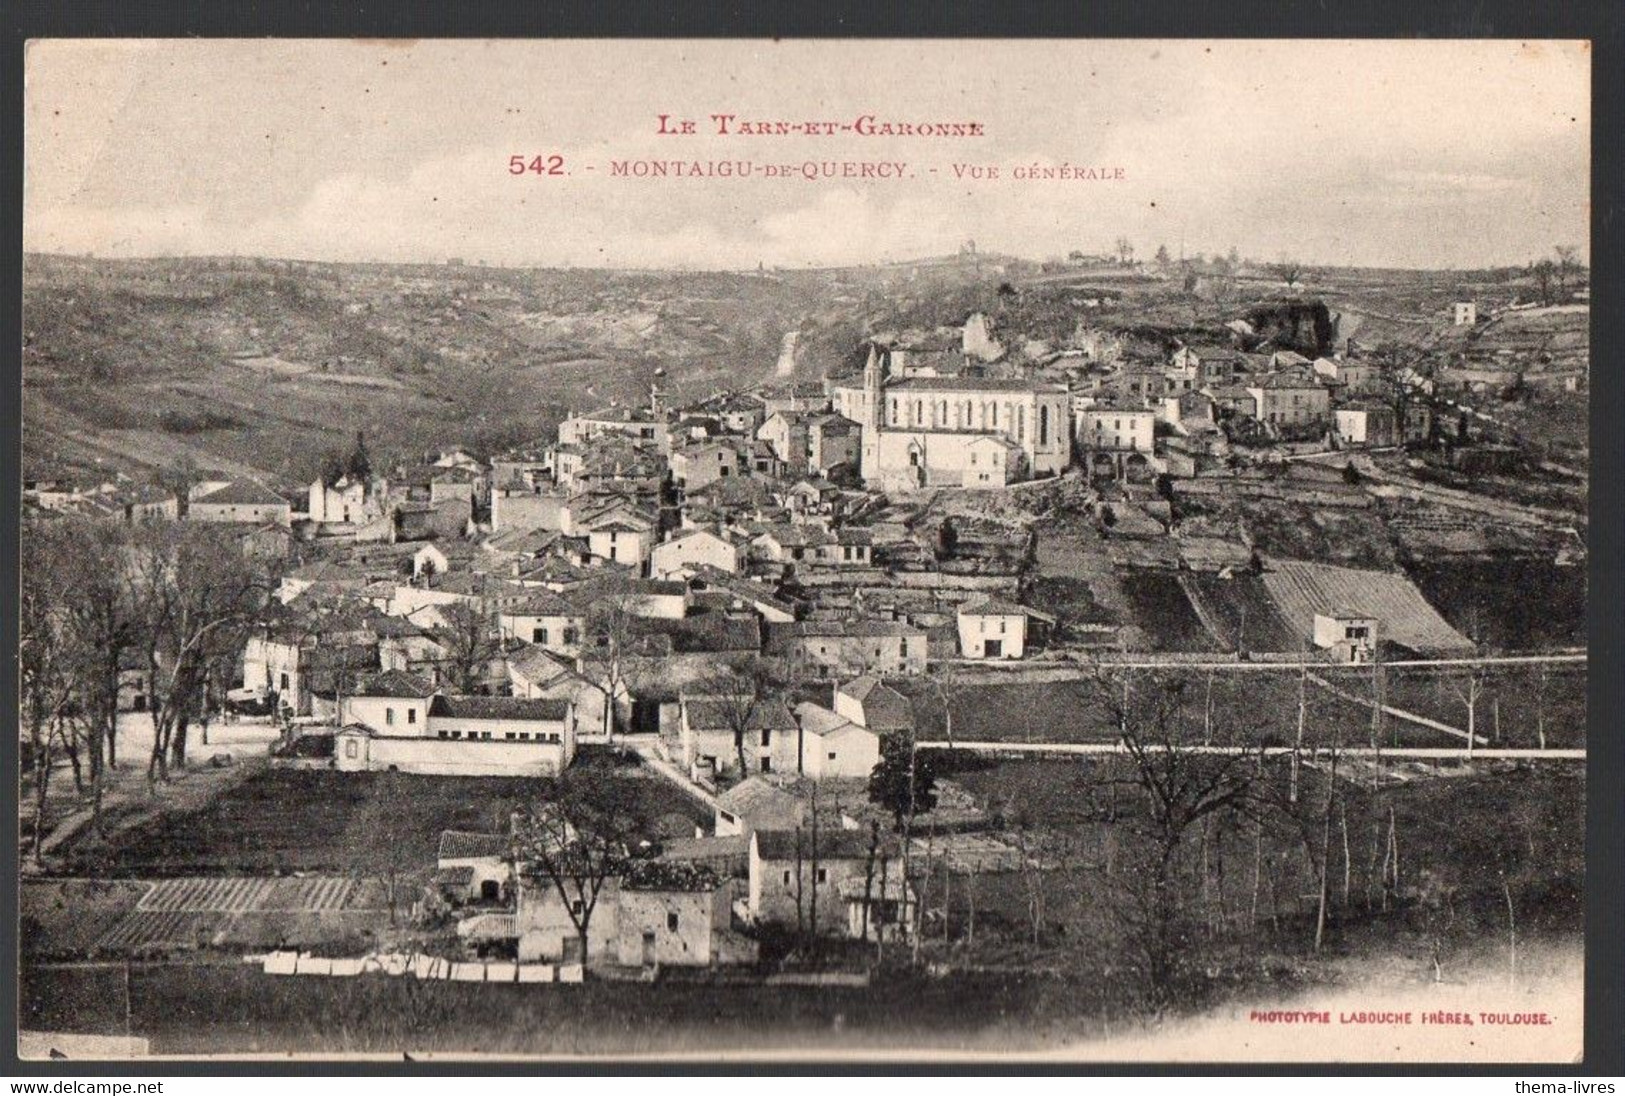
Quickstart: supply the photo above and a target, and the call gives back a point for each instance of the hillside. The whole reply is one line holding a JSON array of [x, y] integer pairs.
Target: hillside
[[257, 366]]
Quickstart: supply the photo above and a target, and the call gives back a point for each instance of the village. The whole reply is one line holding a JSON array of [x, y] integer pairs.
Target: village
[[800, 681]]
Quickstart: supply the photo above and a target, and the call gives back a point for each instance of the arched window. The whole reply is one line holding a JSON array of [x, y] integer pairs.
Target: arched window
[[1043, 424], [1021, 423]]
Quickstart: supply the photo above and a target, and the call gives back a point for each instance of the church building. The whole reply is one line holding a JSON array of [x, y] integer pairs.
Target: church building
[[933, 431]]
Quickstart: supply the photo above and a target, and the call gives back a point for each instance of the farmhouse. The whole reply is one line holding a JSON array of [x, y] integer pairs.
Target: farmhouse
[[1365, 424], [757, 803], [690, 548], [992, 628], [677, 914], [1346, 636], [241, 502], [835, 648], [708, 726], [1291, 398], [832, 746], [473, 867], [870, 702], [806, 870]]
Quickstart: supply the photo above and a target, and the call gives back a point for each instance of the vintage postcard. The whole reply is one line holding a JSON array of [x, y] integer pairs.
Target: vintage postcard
[[805, 550]]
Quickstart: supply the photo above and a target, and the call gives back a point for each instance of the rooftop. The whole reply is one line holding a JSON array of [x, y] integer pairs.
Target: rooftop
[[500, 707], [463, 845], [967, 384], [241, 493]]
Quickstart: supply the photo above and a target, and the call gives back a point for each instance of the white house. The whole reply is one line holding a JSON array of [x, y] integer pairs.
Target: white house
[[992, 628], [832, 746], [535, 673], [1349, 636], [1117, 428], [756, 803], [545, 619], [346, 502], [870, 702], [418, 731], [807, 871], [708, 724], [1366, 424], [995, 461], [691, 548]]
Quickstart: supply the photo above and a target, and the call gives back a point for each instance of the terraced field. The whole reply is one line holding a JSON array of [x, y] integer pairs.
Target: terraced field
[[1244, 614], [1165, 613], [1303, 589], [138, 917]]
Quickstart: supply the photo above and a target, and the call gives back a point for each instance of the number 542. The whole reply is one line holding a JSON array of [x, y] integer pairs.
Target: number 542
[[536, 165]]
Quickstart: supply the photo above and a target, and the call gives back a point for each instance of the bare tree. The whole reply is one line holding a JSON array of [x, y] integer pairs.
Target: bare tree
[[741, 694], [1468, 688], [469, 640], [1544, 272], [611, 637], [1178, 788], [45, 672], [388, 854], [577, 840], [1568, 266], [199, 598], [104, 624], [1289, 271]]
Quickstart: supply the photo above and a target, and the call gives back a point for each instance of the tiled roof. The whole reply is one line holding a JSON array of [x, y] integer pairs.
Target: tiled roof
[[499, 707], [241, 493], [714, 713], [829, 844], [463, 845], [397, 683], [669, 875]]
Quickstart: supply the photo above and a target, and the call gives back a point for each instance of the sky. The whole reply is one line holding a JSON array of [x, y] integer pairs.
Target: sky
[[1430, 154]]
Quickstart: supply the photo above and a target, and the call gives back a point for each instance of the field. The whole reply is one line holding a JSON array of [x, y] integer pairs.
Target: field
[[1244, 612], [1079, 971], [1261, 706], [1163, 611], [1511, 604], [284, 820], [1514, 704], [255, 367]]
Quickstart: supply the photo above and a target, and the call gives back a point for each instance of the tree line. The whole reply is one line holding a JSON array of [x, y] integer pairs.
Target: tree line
[[171, 602]]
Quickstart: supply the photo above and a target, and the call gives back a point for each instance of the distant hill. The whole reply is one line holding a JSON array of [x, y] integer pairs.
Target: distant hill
[[259, 365]]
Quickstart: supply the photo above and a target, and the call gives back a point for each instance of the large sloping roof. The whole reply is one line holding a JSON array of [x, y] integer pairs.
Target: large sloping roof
[[241, 493], [1404, 616]]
